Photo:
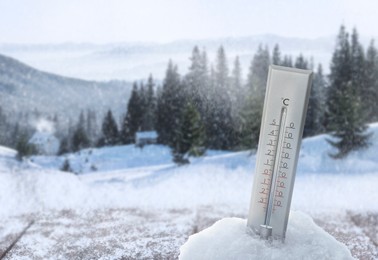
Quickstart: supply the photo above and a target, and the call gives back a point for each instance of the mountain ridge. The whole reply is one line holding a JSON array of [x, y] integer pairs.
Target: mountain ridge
[[136, 60], [24, 88]]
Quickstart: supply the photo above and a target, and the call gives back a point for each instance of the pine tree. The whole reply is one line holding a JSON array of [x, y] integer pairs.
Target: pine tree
[[89, 127], [125, 135], [64, 146], [142, 106], [352, 135], [82, 121], [301, 62], [66, 167], [193, 78], [237, 99], [16, 133], [24, 148], [358, 72], [237, 89], [287, 61], [57, 126], [133, 119], [236, 77], [148, 118], [250, 125], [80, 139], [314, 118], [110, 135], [220, 127], [258, 73], [256, 86], [189, 139], [196, 81], [276, 56], [169, 106], [339, 76], [371, 96], [344, 117]]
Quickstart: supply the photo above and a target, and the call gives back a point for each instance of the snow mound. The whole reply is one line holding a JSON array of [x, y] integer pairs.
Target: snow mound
[[315, 157], [27, 189], [230, 238], [7, 152]]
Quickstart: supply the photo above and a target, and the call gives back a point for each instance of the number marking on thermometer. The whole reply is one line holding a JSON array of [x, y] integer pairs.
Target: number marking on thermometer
[[282, 125]]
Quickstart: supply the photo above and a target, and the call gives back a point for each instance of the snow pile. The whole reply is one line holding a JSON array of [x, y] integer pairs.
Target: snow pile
[[27, 189], [314, 156], [230, 238]]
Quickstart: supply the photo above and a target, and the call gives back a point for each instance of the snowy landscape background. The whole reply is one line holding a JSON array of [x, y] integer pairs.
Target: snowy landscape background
[[132, 185], [73, 79]]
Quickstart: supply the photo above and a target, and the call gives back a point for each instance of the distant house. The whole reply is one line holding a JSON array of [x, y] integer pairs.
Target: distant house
[[144, 138], [45, 143]]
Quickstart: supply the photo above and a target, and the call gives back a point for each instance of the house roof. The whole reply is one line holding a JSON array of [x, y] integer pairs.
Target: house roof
[[42, 137], [146, 134]]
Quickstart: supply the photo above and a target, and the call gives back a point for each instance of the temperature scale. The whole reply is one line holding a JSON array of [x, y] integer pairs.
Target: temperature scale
[[284, 114]]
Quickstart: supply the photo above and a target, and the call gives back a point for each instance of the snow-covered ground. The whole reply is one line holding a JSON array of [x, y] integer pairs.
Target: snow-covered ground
[[230, 238], [146, 180], [128, 176]]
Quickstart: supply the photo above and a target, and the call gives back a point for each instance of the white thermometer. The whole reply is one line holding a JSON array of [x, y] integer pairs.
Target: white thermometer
[[285, 107]]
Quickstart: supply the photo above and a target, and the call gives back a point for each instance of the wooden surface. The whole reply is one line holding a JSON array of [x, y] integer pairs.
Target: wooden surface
[[150, 234]]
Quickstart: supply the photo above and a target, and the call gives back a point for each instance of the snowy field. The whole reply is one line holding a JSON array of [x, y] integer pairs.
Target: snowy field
[[132, 203]]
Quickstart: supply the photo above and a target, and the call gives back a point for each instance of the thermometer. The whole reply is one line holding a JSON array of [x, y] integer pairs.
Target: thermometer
[[284, 114]]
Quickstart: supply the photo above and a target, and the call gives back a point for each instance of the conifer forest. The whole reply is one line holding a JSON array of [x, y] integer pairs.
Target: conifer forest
[[213, 106]]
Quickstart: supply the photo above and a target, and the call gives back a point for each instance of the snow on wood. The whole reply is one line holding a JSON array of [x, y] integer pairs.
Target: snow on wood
[[132, 233]]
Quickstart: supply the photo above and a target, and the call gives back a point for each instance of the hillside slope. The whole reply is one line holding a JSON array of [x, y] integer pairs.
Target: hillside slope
[[23, 88]]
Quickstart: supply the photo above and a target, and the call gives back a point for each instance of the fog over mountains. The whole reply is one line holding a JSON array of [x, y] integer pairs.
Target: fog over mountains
[[23, 88], [99, 76], [134, 61]]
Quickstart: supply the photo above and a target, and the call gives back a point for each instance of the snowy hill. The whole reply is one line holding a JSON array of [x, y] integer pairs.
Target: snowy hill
[[23, 88]]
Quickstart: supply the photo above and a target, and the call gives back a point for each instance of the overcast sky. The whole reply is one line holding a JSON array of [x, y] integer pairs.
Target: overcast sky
[[104, 21]]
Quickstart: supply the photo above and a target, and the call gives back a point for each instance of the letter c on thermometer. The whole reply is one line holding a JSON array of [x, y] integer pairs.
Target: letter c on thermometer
[[285, 101]]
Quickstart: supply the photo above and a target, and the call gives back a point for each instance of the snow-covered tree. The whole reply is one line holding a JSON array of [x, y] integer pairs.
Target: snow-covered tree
[[24, 148], [256, 85], [193, 78], [91, 126], [189, 138], [66, 167], [220, 129], [371, 95], [149, 110], [345, 117], [64, 146], [301, 62], [287, 61], [133, 118], [110, 135], [315, 111], [80, 138], [169, 105], [276, 56]]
